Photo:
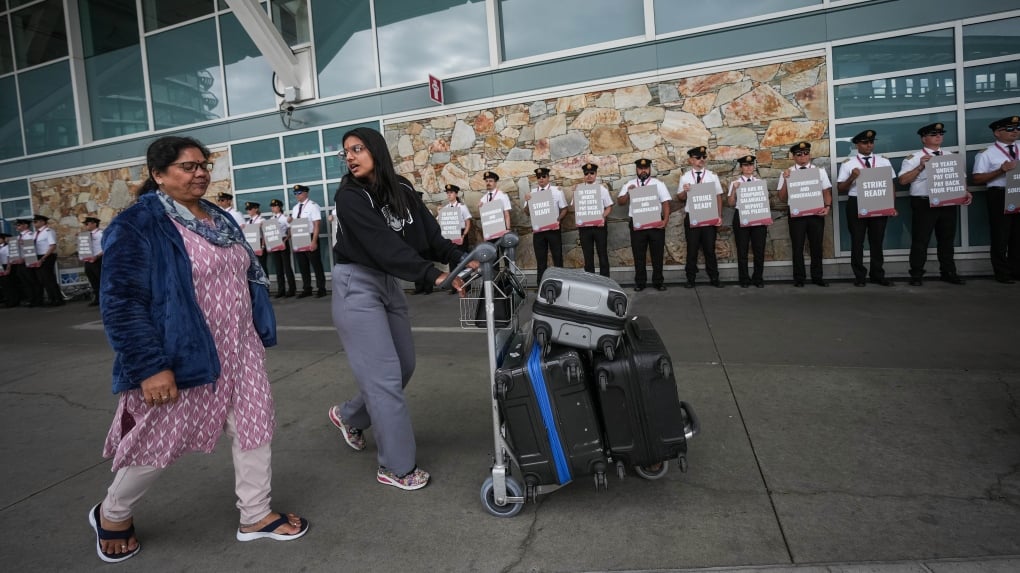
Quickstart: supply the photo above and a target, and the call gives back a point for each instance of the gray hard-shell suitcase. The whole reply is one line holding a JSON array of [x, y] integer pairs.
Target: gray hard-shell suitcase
[[579, 309]]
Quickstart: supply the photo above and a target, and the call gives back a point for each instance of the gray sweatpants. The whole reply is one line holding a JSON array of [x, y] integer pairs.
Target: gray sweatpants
[[370, 315]]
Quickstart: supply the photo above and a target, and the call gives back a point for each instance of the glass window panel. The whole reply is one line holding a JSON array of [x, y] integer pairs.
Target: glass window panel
[[107, 26], [532, 27], [184, 72], [19, 209], [301, 144], [991, 39], [6, 57], [415, 38], [255, 151], [291, 19], [10, 123], [261, 197], [978, 120], [669, 17], [343, 46], [249, 76], [162, 13], [897, 133], [39, 33], [259, 176], [335, 169], [896, 94], [977, 221], [994, 81], [47, 105], [304, 171], [14, 189], [893, 54], [116, 91]]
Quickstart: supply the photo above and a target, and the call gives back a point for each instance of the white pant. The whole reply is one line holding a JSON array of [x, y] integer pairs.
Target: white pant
[[253, 473]]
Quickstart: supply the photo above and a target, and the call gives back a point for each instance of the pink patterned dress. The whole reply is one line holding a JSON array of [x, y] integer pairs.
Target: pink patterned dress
[[156, 436]]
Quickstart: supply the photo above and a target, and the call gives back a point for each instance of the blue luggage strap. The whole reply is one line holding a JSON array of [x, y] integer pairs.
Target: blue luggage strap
[[545, 407]]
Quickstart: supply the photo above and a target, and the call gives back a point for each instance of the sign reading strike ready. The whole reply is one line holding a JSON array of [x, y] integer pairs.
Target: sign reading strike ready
[[703, 207], [587, 207], [753, 204], [947, 184], [804, 189], [876, 196], [543, 211], [645, 208]]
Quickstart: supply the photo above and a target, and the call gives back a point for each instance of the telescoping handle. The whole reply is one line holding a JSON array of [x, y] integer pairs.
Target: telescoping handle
[[484, 253]]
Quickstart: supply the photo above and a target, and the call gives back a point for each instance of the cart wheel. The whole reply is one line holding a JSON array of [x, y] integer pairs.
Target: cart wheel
[[654, 471], [489, 498]]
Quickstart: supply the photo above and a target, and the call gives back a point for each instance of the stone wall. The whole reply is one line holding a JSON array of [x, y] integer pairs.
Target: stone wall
[[761, 110], [68, 199]]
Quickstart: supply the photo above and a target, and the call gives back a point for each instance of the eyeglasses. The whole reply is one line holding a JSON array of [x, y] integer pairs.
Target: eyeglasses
[[801, 153], [589, 172], [191, 166], [354, 150], [1010, 128], [934, 133]]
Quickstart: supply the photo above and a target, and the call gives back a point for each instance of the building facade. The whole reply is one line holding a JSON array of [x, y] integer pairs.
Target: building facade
[[85, 85]]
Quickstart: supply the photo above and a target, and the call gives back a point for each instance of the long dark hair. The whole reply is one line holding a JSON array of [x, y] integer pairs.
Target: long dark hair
[[386, 185], [164, 151]]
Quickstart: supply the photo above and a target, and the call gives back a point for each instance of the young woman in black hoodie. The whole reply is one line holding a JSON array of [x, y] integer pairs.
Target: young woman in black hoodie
[[386, 233]]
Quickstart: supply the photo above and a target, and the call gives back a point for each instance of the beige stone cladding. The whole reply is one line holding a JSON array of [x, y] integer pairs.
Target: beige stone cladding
[[761, 110]]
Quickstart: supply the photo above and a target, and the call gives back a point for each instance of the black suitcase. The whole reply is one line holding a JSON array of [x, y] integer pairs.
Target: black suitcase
[[548, 413], [645, 422]]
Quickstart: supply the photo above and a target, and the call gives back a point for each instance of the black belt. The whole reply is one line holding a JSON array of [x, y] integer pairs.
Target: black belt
[[996, 188]]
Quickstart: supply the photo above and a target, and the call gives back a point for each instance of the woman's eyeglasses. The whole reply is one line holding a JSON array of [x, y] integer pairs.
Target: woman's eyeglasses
[[354, 150], [191, 166], [802, 153]]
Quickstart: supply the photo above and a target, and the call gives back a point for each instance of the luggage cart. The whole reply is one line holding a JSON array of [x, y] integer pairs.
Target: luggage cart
[[498, 282]]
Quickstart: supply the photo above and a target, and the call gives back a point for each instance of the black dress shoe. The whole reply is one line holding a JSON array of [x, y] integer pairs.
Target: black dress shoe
[[304, 294], [716, 283], [915, 281], [323, 293], [859, 282], [798, 284], [953, 279], [639, 288], [882, 281], [689, 284], [820, 283], [660, 287], [759, 284], [744, 284], [1005, 280]]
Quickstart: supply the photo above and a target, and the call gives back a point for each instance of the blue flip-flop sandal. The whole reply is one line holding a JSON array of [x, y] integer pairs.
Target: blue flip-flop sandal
[[267, 532], [106, 535]]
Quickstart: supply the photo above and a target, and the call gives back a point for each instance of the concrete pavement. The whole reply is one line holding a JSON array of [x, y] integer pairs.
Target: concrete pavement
[[844, 429]]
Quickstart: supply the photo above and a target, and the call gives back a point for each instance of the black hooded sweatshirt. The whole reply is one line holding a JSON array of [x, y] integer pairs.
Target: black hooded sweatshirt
[[370, 234]]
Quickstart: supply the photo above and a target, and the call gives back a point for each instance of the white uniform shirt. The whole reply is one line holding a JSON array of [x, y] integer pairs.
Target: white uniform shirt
[[557, 196], [991, 159], [857, 162], [43, 239], [823, 175], [495, 195], [96, 240], [281, 220], [307, 210], [27, 237], [236, 215], [741, 179], [691, 177], [257, 219], [660, 189], [919, 186], [463, 211]]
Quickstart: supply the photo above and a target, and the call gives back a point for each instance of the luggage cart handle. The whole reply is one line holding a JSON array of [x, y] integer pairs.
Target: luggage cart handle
[[508, 243], [484, 253]]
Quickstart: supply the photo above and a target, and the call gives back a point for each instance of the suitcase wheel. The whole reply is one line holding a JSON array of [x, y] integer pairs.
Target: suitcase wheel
[[618, 304], [551, 291], [665, 368], [603, 380], [542, 336], [620, 470], [608, 347], [681, 462], [509, 509], [653, 471]]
